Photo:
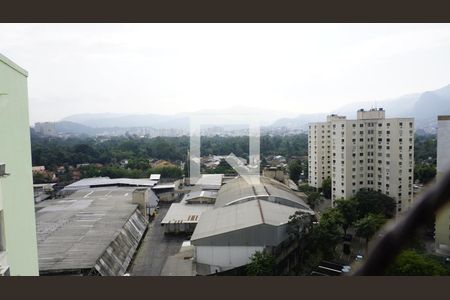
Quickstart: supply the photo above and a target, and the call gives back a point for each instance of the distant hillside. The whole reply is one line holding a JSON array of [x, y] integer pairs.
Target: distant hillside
[[66, 127], [176, 121], [123, 120], [423, 107]]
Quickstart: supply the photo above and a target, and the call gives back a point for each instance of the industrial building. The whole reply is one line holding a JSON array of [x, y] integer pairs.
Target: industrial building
[[183, 217], [106, 181], [93, 231], [18, 248], [166, 192], [371, 152], [442, 232], [210, 181], [245, 218]]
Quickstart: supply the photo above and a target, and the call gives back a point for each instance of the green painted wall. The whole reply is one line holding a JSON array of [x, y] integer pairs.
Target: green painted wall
[[17, 189]]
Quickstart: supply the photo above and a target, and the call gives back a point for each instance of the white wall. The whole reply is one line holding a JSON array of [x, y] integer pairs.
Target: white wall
[[225, 257]]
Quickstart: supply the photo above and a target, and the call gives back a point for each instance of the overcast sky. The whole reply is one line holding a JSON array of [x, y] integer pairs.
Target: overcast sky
[[172, 68]]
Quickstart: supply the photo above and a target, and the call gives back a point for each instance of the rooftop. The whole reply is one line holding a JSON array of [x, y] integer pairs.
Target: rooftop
[[106, 181], [185, 213], [200, 194], [244, 215], [13, 65], [213, 181], [75, 231], [240, 205], [239, 190]]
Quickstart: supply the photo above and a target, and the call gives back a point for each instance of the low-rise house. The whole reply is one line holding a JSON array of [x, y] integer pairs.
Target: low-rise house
[[38, 169]]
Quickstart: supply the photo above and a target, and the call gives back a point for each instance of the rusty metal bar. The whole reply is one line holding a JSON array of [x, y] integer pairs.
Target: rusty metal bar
[[395, 238]]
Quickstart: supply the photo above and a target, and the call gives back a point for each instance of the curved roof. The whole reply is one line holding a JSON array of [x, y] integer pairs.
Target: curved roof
[[239, 191]]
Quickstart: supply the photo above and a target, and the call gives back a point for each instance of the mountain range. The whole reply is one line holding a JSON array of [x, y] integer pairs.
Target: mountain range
[[424, 107]]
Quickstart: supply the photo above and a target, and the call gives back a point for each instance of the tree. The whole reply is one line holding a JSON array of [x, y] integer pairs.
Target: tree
[[313, 199], [368, 226], [411, 263], [307, 189], [41, 178], [295, 170], [262, 264], [374, 202], [299, 224], [349, 212], [316, 242], [329, 233], [424, 172], [326, 188]]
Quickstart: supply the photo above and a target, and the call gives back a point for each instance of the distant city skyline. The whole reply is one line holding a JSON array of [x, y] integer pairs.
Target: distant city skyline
[[177, 68]]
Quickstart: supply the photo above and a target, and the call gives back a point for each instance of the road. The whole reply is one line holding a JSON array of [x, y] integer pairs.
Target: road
[[155, 248]]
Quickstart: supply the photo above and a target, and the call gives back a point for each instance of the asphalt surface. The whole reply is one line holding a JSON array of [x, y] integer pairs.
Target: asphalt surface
[[155, 248]]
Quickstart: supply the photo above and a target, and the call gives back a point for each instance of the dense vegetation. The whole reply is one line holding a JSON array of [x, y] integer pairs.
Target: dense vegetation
[[51, 152], [366, 212], [425, 147]]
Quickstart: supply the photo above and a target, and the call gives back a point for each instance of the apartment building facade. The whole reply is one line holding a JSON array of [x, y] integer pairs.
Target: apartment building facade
[[442, 227], [371, 152], [18, 246]]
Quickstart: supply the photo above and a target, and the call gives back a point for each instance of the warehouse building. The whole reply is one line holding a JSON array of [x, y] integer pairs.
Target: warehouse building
[[108, 182], [245, 218], [183, 217], [93, 231]]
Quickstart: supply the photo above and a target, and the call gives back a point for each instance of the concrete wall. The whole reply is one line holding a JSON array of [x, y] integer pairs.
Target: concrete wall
[[222, 258], [17, 189]]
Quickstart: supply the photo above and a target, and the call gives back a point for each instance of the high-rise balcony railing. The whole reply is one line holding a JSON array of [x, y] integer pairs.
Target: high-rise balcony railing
[[396, 237]]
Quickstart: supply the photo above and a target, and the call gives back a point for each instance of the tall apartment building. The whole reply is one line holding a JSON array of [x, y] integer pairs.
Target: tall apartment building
[[371, 152], [442, 232], [18, 247]]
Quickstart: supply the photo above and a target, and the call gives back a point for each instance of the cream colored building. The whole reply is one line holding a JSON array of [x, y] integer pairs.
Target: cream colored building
[[18, 247], [442, 233], [371, 152]]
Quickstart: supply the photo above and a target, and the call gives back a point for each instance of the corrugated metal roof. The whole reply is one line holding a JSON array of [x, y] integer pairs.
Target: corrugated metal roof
[[210, 180], [105, 181], [74, 232], [268, 203], [200, 194], [185, 213], [239, 190], [235, 217]]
